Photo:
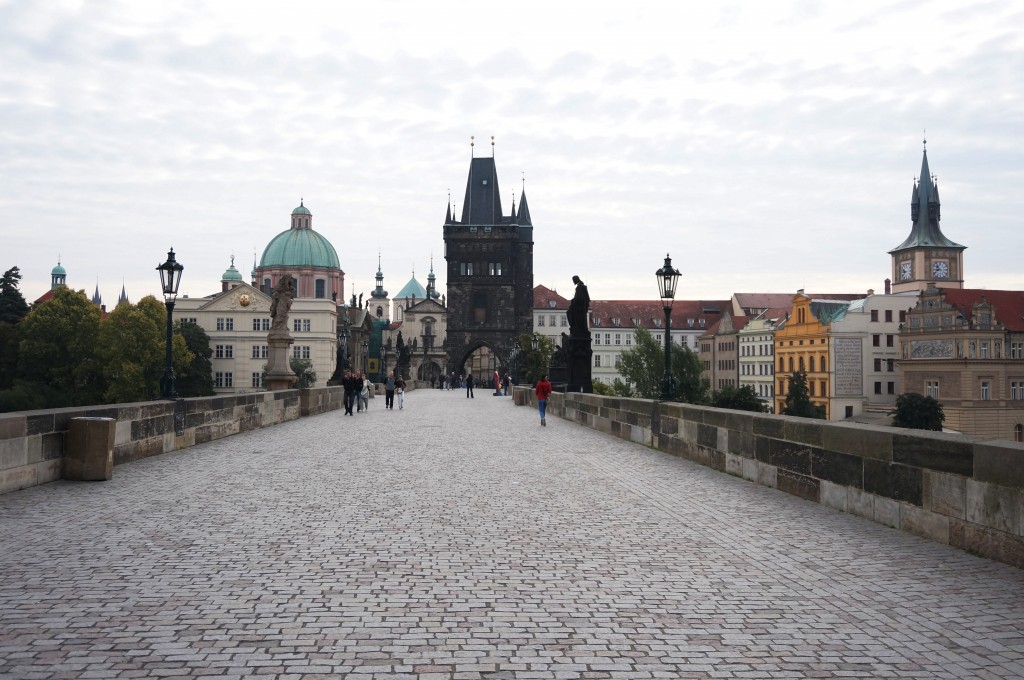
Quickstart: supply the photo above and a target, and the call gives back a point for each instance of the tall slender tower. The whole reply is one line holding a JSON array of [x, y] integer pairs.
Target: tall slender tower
[[926, 257], [490, 270]]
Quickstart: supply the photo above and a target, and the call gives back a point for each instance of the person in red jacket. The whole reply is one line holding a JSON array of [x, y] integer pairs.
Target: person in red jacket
[[543, 389]]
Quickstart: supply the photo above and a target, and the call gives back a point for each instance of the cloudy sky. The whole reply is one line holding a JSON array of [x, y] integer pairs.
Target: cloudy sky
[[768, 146]]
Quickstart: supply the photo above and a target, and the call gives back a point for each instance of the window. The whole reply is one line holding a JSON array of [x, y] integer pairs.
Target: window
[[931, 389], [618, 360], [985, 388], [223, 379], [1018, 433], [878, 366], [540, 319], [300, 351], [629, 340], [890, 340], [1017, 350], [190, 319], [1017, 390], [984, 350], [890, 388], [874, 315], [903, 315], [259, 352], [257, 379], [890, 365], [301, 325], [878, 388], [565, 321], [320, 288], [225, 323], [810, 388], [494, 268], [224, 352], [876, 340], [618, 338], [552, 319], [888, 316], [597, 338], [608, 338], [466, 268], [821, 385], [261, 324], [597, 361]]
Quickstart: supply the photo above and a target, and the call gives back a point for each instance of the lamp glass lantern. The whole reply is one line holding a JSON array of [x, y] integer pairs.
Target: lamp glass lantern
[[170, 279]]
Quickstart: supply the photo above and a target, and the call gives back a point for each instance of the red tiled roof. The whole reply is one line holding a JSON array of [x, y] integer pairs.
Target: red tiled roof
[[542, 295], [651, 312], [1007, 305]]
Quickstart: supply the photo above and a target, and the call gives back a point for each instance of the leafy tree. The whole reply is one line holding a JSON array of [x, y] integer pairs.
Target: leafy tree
[[304, 369], [195, 379], [742, 398], [57, 348], [798, 399], [131, 351], [919, 412], [537, 361], [604, 389], [13, 307], [622, 389], [8, 354], [644, 366]]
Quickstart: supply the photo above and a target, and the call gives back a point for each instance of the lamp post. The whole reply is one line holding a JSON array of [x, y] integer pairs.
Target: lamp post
[[170, 278], [366, 356], [668, 277]]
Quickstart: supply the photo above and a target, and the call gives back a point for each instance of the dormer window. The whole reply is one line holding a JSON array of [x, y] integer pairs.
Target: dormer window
[[597, 322], [702, 323], [551, 304], [689, 322], [657, 323], [636, 322], [615, 321]]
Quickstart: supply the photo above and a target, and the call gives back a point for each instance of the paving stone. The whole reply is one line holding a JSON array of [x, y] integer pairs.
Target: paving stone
[[459, 539]]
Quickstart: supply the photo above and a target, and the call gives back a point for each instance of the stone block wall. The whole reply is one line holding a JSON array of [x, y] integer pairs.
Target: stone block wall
[[33, 443], [953, 489]]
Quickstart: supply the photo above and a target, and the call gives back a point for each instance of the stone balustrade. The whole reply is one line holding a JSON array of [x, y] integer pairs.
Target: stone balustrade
[[958, 490]]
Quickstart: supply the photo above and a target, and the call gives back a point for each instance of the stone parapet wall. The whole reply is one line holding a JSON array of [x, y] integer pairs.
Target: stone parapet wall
[[964, 492], [33, 443]]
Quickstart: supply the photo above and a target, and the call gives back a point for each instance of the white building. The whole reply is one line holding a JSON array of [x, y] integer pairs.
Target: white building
[[756, 344]]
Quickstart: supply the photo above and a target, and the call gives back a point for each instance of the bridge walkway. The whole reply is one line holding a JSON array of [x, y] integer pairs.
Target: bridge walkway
[[458, 539]]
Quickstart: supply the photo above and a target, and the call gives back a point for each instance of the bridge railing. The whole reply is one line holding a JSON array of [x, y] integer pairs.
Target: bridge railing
[[954, 489]]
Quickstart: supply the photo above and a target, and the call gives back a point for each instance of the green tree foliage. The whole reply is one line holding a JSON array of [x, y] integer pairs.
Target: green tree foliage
[[537, 361], [918, 412], [8, 354], [622, 389], [603, 389], [304, 369], [644, 365], [131, 350], [798, 399], [13, 307], [742, 398], [57, 349], [195, 379]]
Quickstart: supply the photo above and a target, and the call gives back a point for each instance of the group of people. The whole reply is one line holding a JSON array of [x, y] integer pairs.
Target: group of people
[[394, 385], [357, 391]]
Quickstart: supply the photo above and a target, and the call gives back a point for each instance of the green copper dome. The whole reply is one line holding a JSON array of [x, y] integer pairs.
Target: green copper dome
[[58, 271], [300, 248], [301, 210], [231, 274]]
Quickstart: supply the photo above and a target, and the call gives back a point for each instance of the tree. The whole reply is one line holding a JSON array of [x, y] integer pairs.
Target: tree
[[131, 350], [742, 398], [622, 389], [13, 307], [537, 361], [798, 399], [57, 348], [918, 412], [603, 389], [195, 379], [8, 354], [304, 369], [644, 366]]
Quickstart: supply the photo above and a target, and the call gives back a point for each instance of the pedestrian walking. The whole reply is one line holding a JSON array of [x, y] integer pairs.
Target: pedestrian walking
[[348, 382], [364, 394], [497, 383], [543, 390], [507, 380], [400, 391], [389, 392], [469, 386]]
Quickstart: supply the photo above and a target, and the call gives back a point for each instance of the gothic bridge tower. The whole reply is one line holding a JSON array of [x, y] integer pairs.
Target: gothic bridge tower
[[490, 270]]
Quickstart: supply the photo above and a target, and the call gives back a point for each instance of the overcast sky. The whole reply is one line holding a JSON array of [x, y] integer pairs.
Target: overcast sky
[[767, 146]]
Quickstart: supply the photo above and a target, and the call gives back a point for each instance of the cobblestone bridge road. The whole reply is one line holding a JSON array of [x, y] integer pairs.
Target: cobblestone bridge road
[[458, 539]]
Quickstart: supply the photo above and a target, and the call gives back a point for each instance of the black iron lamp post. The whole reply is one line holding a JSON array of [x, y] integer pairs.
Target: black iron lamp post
[[366, 356], [170, 279], [668, 277]]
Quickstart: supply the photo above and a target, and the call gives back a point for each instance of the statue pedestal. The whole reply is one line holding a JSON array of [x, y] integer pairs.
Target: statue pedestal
[[579, 359], [279, 369]]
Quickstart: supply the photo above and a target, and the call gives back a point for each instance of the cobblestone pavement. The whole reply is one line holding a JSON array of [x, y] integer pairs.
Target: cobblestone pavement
[[458, 539]]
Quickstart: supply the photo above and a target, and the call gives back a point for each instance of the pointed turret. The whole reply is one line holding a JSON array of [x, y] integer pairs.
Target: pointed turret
[[123, 297], [379, 293], [482, 205], [448, 214], [432, 293], [97, 299], [524, 210], [925, 214]]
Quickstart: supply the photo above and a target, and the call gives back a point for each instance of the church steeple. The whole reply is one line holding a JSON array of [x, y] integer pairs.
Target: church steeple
[[926, 255], [378, 292]]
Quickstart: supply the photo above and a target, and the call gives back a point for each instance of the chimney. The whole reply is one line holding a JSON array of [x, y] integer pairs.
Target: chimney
[[800, 291], [871, 291], [888, 286]]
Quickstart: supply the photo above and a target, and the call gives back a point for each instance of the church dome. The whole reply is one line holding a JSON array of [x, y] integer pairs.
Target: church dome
[[231, 274], [58, 271], [300, 248], [302, 209]]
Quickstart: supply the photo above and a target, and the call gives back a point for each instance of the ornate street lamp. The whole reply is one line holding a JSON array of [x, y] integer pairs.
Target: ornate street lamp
[[668, 277], [170, 279]]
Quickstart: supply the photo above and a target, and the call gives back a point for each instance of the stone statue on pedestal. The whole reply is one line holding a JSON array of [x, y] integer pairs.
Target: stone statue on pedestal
[[279, 370], [576, 351]]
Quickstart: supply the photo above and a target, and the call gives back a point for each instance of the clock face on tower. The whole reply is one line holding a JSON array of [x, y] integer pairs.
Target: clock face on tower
[[940, 269], [905, 271]]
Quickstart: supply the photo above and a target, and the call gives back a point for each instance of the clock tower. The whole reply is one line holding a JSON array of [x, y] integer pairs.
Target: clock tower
[[926, 257]]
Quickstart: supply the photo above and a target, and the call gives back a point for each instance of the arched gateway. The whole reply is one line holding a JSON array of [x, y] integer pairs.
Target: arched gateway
[[490, 272]]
